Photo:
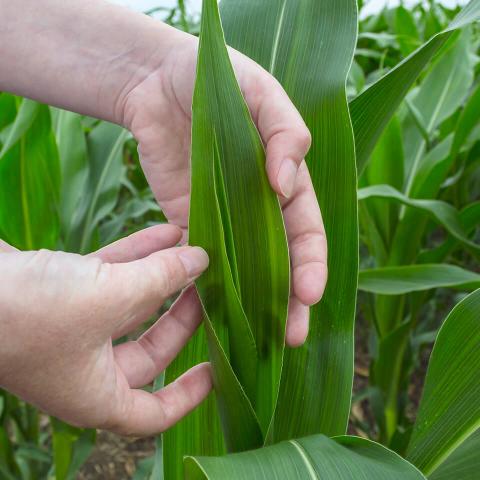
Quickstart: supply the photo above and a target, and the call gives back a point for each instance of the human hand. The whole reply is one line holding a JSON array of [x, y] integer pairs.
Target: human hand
[[60, 313], [128, 68], [158, 112]]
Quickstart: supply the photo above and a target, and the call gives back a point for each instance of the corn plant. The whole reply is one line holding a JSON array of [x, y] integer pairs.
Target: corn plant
[[309, 47], [396, 103]]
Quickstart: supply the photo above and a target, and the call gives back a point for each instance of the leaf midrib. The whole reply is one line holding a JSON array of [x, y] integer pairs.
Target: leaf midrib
[[306, 459]]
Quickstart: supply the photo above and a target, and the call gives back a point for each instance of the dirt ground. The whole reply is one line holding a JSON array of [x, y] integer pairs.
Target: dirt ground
[[115, 458]]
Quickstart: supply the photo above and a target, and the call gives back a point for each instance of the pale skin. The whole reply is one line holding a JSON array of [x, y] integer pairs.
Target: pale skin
[[61, 311]]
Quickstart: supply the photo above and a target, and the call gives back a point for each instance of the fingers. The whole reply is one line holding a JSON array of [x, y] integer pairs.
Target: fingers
[[147, 414], [284, 132], [140, 244], [141, 286], [307, 241], [143, 360], [6, 248], [297, 325]]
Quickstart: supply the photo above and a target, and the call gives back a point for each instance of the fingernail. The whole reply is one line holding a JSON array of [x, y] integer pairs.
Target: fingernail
[[286, 177], [195, 261]]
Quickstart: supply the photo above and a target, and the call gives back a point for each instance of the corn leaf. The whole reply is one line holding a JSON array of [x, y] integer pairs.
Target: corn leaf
[[249, 270], [309, 47], [385, 167], [8, 111], [442, 212], [442, 91], [470, 219], [449, 410], [246, 288], [105, 156], [316, 457], [30, 180], [199, 432], [72, 149], [374, 107], [386, 374], [416, 278], [463, 463]]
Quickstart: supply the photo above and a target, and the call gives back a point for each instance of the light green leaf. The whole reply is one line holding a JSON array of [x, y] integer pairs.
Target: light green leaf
[[374, 107], [449, 410], [440, 94], [309, 47], [105, 155], [72, 149], [440, 211], [317, 457], [416, 278]]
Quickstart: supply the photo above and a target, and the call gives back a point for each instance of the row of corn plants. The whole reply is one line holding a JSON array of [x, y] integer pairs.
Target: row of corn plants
[[394, 103]]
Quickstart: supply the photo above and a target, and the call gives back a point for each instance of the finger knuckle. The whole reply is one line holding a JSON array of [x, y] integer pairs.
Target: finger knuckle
[[304, 138]]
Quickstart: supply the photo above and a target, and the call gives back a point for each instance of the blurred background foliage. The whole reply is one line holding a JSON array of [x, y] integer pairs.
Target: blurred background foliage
[[74, 183]]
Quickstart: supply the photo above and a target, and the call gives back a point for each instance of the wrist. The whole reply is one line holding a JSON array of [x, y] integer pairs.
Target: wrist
[[81, 56]]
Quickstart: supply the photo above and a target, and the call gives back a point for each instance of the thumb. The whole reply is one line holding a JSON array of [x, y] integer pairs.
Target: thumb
[[6, 248], [143, 285]]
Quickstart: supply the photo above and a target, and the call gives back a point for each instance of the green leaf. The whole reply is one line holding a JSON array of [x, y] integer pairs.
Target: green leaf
[[406, 30], [246, 287], [385, 166], [309, 47], [71, 448], [470, 219], [440, 211], [249, 266], [442, 91], [317, 457], [8, 111], [386, 375], [72, 149], [105, 154], [198, 433], [374, 107], [449, 410], [416, 278], [463, 463], [30, 180]]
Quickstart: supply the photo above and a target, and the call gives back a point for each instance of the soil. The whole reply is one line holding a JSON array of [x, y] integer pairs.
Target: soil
[[115, 458]]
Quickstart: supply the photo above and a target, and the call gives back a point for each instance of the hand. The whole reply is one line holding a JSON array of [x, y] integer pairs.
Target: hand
[[130, 69], [157, 111], [60, 313]]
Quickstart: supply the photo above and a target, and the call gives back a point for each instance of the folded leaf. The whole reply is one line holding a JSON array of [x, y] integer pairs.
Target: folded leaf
[[236, 217]]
